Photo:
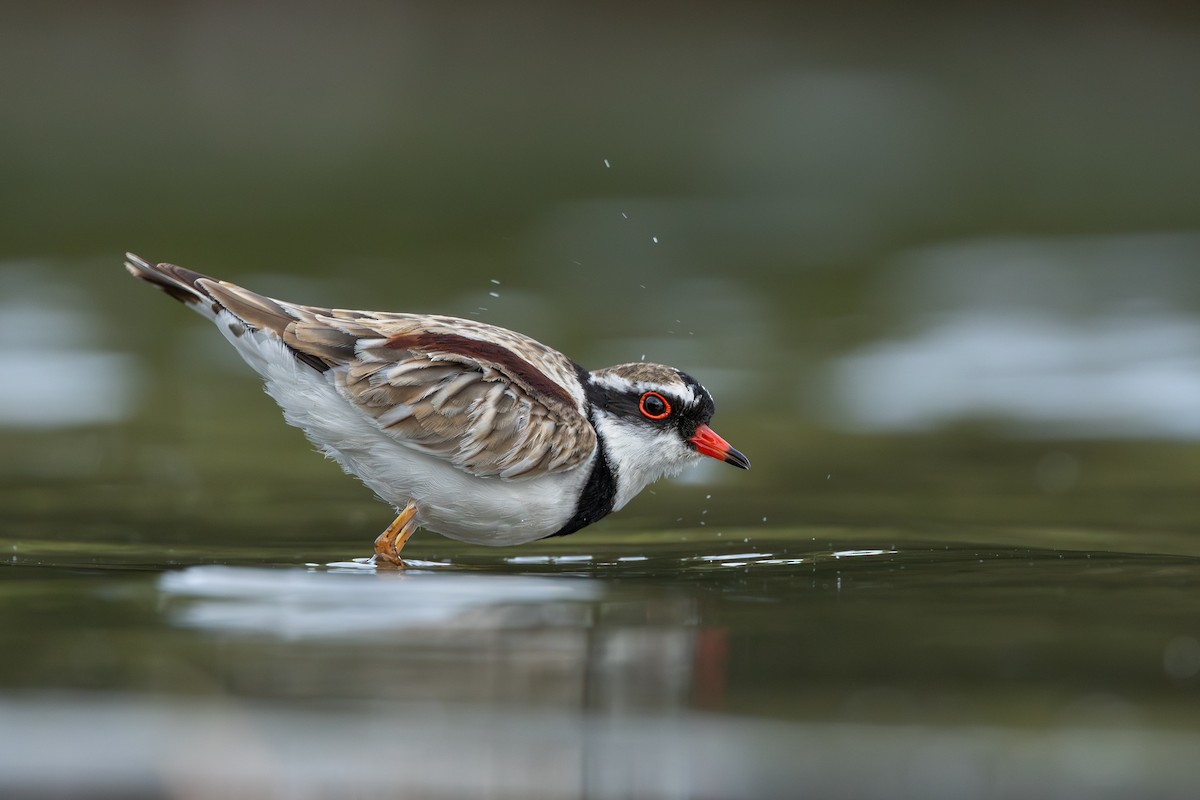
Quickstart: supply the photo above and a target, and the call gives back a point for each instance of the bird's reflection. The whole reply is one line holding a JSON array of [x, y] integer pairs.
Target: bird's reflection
[[437, 634]]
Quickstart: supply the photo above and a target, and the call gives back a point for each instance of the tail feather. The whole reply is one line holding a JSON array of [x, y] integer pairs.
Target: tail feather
[[256, 310], [178, 282], [212, 297]]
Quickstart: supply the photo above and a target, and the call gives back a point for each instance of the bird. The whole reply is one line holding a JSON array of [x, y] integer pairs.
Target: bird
[[469, 430]]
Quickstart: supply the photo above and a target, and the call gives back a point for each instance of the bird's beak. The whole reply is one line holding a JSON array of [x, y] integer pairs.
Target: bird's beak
[[707, 442]]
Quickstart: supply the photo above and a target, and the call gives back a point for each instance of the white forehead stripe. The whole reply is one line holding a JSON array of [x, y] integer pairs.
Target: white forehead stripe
[[615, 382], [686, 394], [675, 388]]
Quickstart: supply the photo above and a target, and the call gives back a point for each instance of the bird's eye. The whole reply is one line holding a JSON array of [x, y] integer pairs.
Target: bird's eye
[[654, 406]]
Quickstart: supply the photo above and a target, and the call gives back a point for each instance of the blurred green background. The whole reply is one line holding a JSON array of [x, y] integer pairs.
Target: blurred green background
[[937, 263], [929, 221]]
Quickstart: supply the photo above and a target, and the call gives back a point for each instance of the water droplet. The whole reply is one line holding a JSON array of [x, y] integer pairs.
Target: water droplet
[[654, 239], [494, 294], [607, 165], [495, 281]]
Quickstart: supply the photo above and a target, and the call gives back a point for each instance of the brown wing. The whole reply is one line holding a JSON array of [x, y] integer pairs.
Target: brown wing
[[491, 401]]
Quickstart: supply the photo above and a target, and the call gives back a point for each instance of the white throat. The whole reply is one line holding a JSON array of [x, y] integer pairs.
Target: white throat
[[638, 455]]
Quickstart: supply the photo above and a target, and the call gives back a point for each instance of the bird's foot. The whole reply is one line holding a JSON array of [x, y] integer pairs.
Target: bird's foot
[[389, 543]]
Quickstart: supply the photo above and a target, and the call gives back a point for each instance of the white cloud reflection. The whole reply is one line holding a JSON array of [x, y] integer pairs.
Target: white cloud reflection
[[61, 388], [1043, 377], [51, 375], [1081, 336]]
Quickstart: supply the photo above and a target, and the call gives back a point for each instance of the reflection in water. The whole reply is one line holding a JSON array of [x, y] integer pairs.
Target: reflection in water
[[53, 375], [482, 677], [560, 641], [1090, 336], [188, 750], [292, 603], [47, 392], [1128, 377]]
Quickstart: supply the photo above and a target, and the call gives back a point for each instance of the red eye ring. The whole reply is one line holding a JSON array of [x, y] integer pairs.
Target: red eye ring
[[666, 407]]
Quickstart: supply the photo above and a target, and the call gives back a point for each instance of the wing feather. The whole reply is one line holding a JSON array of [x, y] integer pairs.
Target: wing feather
[[491, 401], [460, 398]]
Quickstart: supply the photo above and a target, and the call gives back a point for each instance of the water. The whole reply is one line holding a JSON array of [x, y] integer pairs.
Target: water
[[857, 659], [938, 272]]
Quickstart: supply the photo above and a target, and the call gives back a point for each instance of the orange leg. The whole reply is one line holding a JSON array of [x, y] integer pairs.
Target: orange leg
[[391, 542]]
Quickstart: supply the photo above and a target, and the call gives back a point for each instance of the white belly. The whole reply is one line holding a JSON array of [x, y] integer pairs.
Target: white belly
[[449, 501], [461, 506]]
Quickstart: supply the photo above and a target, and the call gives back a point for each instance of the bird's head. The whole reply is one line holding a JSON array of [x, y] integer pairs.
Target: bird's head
[[653, 420]]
